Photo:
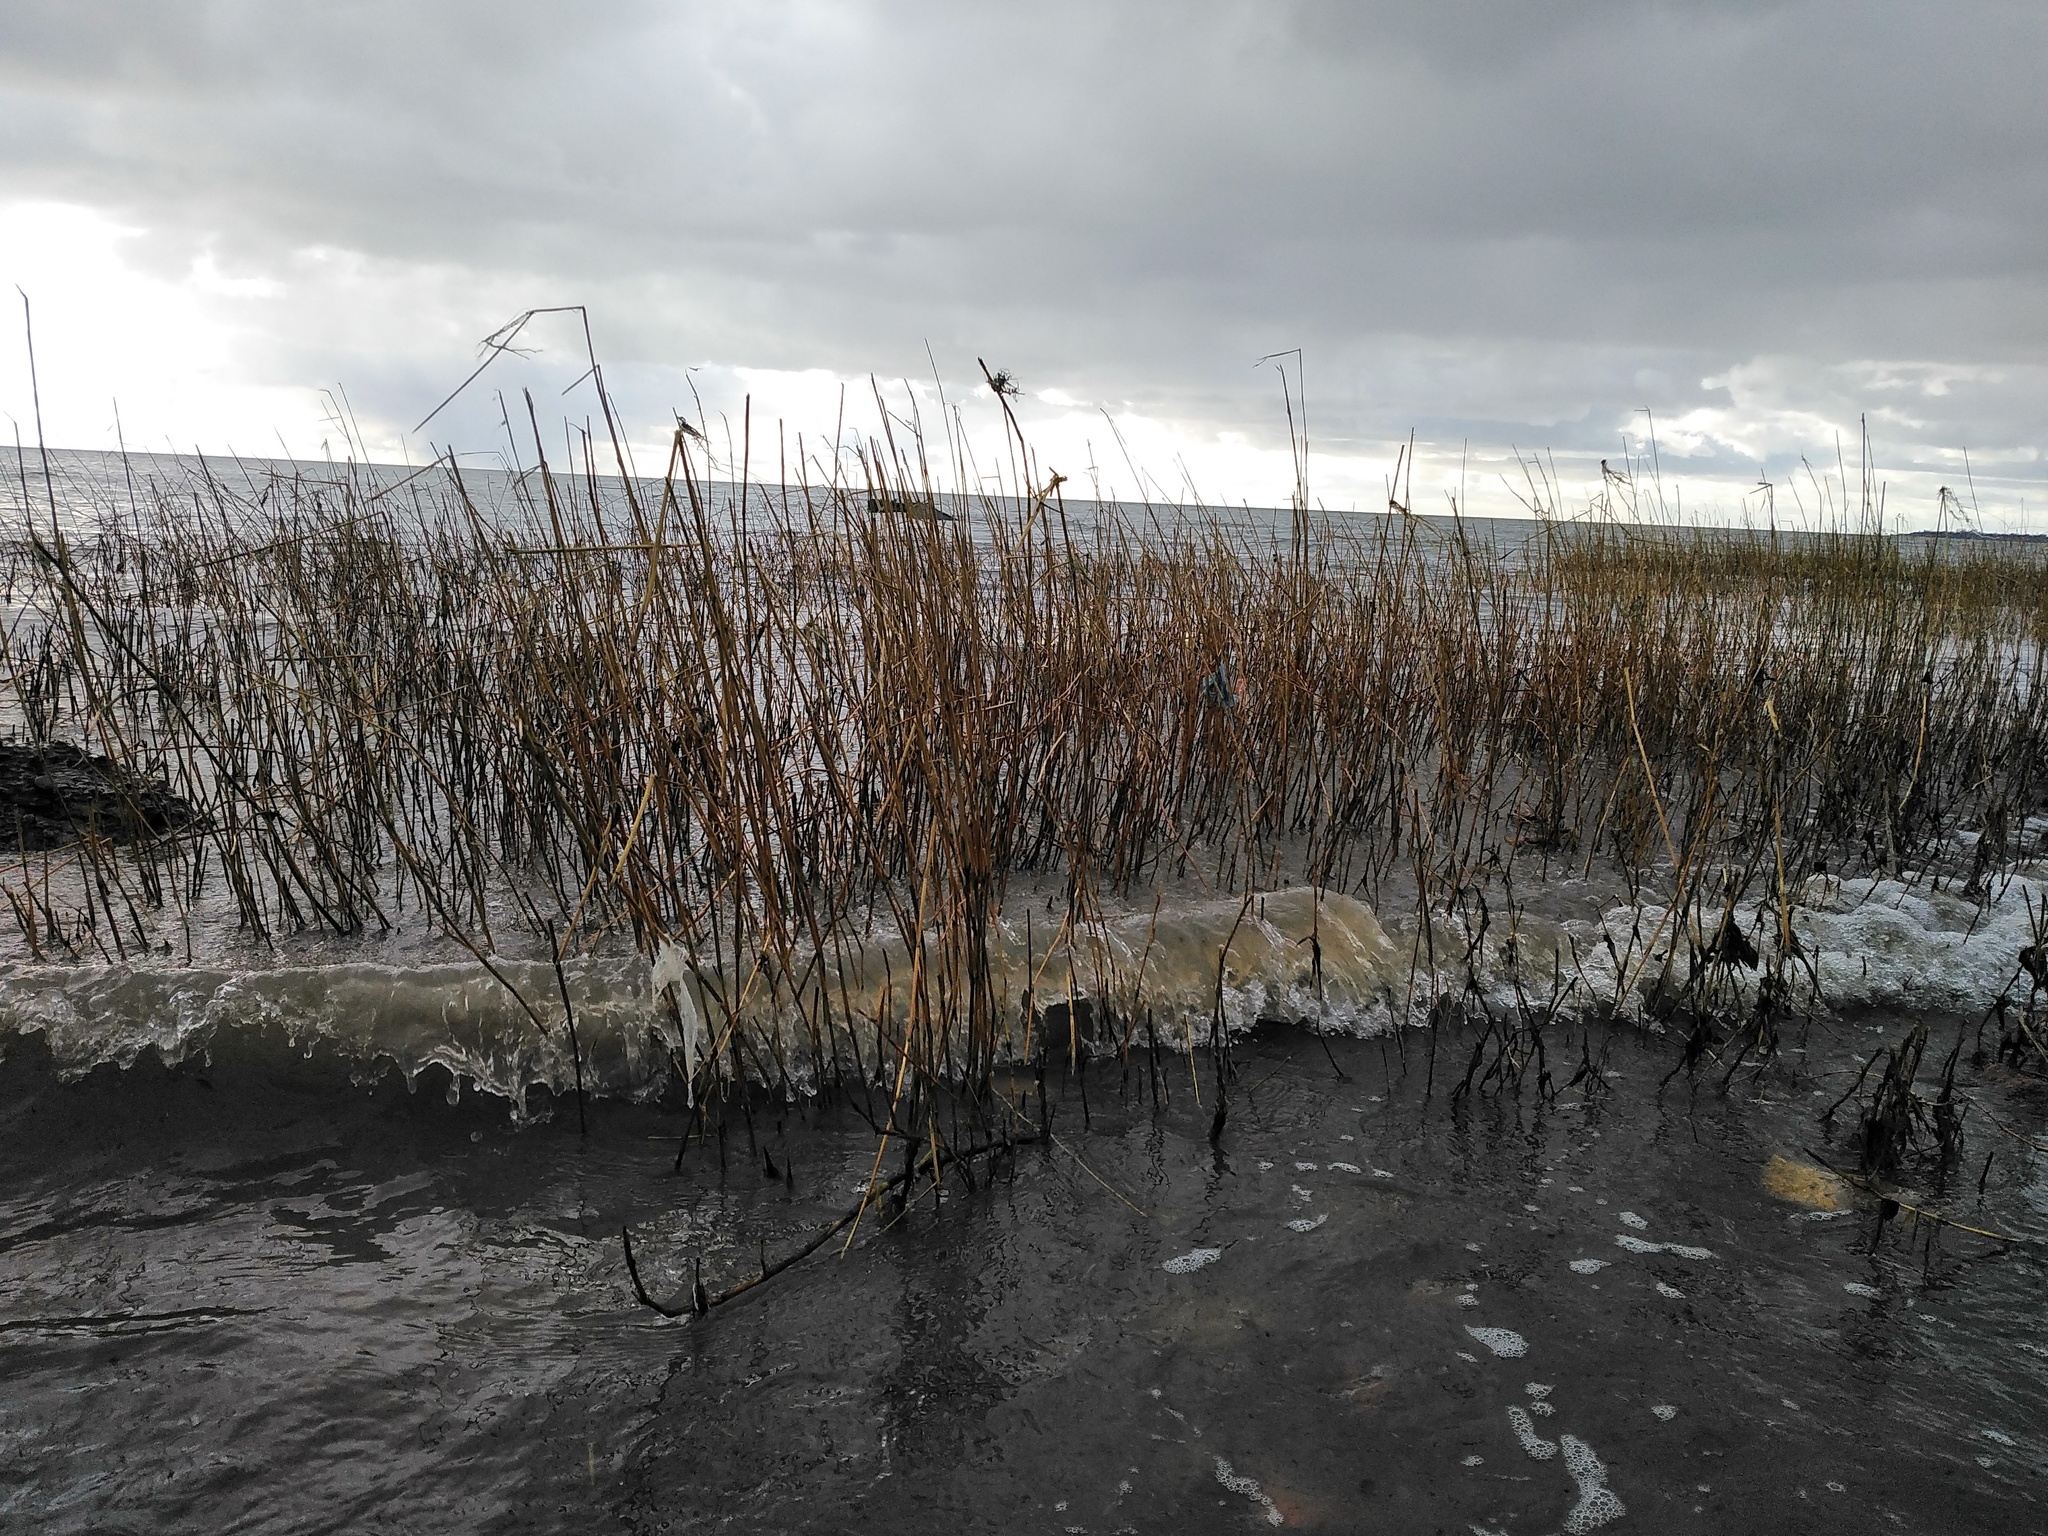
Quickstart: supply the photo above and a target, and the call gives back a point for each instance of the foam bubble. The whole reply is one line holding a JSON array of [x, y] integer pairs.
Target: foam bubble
[[1858, 1288], [1588, 1266], [1191, 1261], [1631, 1219], [1504, 1342], [1670, 1292], [1230, 1479], [1306, 1223], [1524, 1427], [1347, 1167], [1641, 1245], [1597, 1504], [1536, 1389], [1664, 1411], [1870, 942]]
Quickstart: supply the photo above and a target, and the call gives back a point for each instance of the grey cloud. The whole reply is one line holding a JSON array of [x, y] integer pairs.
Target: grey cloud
[[1129, 200]]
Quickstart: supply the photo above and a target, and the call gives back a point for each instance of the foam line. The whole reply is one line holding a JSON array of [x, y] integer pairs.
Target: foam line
[[1250, 1489]]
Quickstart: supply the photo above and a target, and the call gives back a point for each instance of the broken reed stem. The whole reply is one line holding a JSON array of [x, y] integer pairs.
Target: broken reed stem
[[940, 1159]]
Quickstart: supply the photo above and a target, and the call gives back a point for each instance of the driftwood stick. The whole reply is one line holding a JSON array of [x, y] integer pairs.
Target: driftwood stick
[[701, 1302]]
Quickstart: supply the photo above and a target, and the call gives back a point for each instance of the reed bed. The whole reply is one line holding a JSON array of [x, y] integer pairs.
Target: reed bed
[[749, 728]]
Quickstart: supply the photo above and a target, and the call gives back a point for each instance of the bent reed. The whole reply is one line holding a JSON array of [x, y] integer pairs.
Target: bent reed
[[747, 728]]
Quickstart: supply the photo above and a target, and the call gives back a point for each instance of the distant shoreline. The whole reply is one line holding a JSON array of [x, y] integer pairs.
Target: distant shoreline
[[1973, 534]]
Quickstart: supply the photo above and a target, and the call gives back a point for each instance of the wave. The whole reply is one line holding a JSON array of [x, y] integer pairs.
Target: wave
[[460, 1017], [643, 1025], [1178, 971]]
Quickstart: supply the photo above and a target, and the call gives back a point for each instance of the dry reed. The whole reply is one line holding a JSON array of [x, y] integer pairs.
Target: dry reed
[[761, 723]]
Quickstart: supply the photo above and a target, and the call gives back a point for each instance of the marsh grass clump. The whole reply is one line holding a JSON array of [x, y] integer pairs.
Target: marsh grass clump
[[872, 772]]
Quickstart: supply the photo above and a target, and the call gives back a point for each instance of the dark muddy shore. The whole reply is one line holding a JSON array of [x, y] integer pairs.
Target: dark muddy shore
[[264, 1298]]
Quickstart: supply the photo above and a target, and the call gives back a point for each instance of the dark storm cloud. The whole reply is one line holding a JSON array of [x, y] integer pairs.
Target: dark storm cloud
[[1129, 200]]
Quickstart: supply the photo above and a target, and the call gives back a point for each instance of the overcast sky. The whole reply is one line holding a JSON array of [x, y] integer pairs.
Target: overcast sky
[[1504, 226]]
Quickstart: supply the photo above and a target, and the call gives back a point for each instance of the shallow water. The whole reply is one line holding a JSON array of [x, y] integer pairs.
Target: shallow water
[[260, 1297]]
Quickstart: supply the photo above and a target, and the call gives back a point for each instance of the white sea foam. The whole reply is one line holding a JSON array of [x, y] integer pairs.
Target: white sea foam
[[1597, 1504], [1631, 1219], [1307, 1223], [1502, 1341], [1525, 1431], [1664, 1411], [1230, 1479], [1194, 1259], [1588, 1266], [1858, 1288], [1641, 1245], [1347, 1167], [1868, 942]]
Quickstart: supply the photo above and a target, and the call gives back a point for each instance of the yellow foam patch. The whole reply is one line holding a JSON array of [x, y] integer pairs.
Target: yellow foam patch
[[1804, 1184]]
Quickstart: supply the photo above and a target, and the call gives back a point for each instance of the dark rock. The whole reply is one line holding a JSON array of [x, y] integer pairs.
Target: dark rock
[[53, 793]]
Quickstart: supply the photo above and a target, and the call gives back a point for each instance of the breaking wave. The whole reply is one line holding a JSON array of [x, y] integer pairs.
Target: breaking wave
[[641, 1024]]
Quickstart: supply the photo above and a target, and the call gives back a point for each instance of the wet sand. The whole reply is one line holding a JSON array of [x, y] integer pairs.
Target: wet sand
[[268, 1299]]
